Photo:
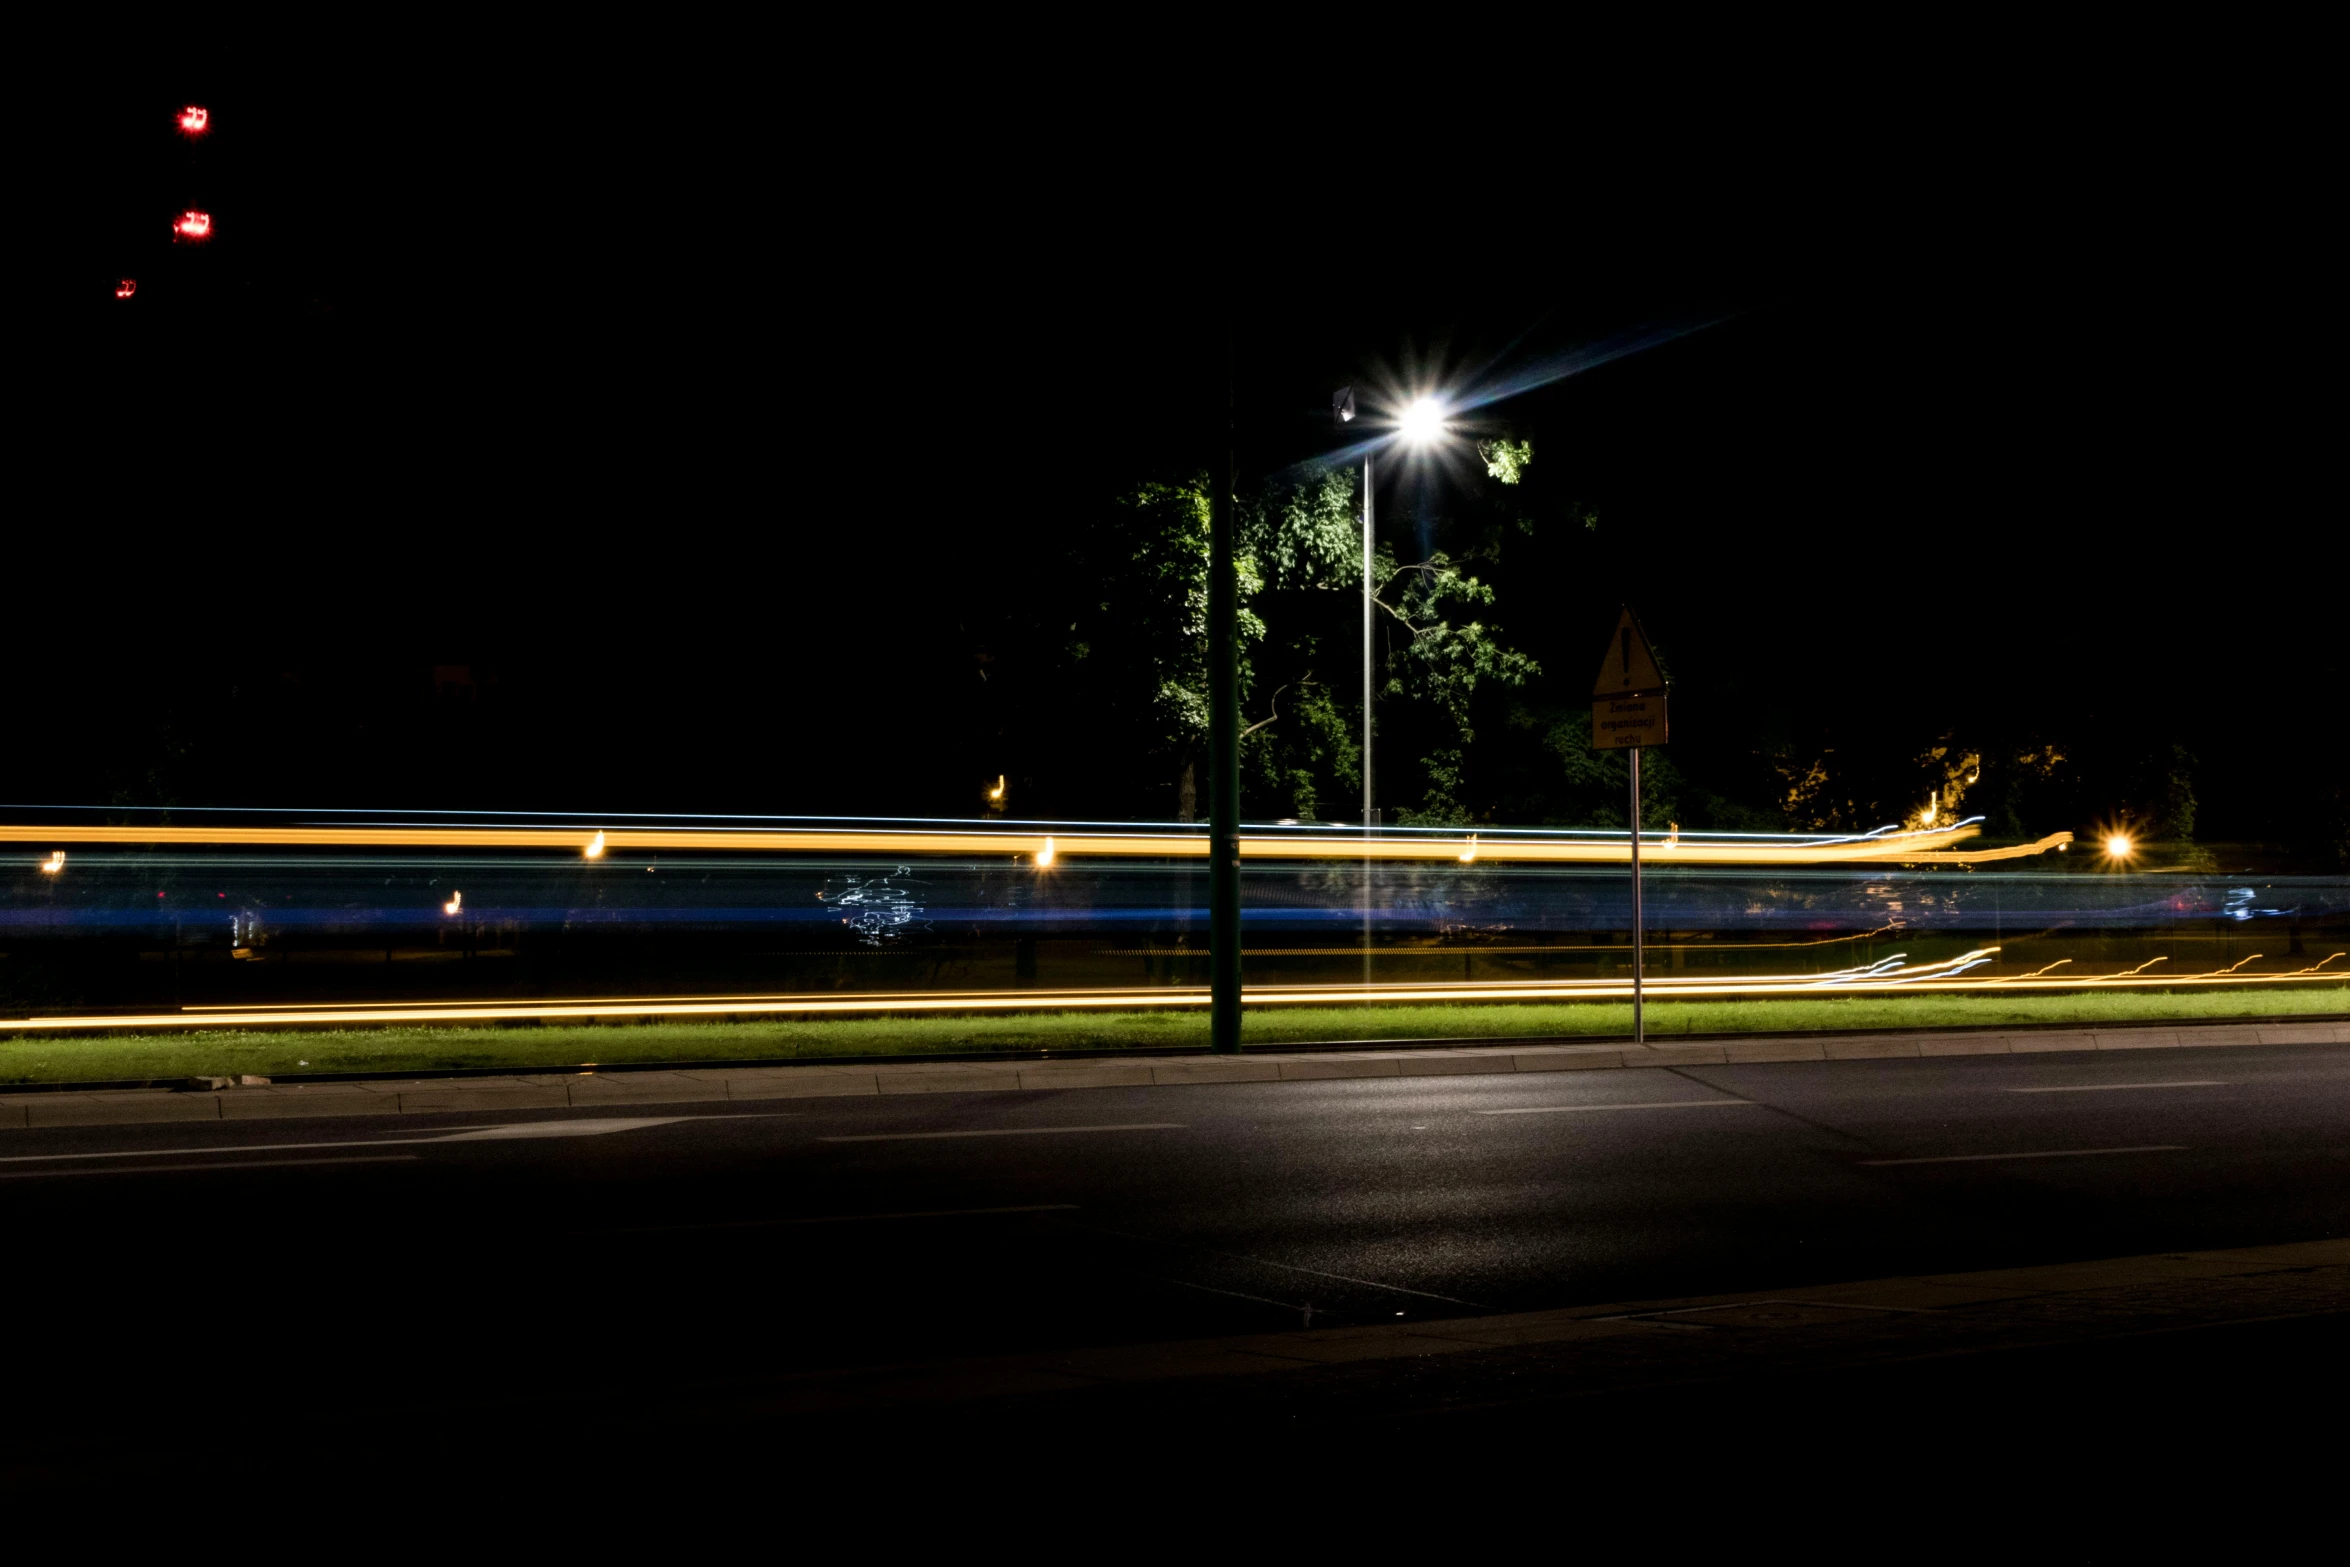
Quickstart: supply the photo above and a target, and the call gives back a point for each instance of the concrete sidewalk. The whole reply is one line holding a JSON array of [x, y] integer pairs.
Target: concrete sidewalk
[[719, 1085]]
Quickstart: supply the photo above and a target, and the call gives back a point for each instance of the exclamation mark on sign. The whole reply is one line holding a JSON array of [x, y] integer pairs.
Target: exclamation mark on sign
[[1626, 633]]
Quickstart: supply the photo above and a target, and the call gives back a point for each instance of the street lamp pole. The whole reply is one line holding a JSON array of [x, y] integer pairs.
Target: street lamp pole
[[1342, 405], [1342, 408], [1367, 823], [1421, 422]]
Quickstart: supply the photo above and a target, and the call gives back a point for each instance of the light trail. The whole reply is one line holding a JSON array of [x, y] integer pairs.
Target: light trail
[[1043, 850], [1456, 953], [1945, 977]]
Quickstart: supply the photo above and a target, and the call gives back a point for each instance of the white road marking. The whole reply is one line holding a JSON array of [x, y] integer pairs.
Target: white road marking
[[1007, 1131], [1348, 1278], [839, 1218], [2053, 1153], [580, 1128], [1655, 1104], [520, 1129], [176, 1153], [1210, 1289], [177, 1169], [2102, 1088]]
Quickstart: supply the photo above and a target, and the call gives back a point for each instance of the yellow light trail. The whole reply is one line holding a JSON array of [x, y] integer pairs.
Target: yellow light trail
[[1931, 977], [1912, 848], [1468, 988], [1384, 953]]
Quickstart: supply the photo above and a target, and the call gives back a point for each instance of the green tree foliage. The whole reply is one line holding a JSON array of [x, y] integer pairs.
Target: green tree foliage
[[1139, 655], [1448, 653]]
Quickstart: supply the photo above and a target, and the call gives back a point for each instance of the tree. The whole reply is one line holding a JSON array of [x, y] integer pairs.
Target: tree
[[1442, 664], [1136, 654]]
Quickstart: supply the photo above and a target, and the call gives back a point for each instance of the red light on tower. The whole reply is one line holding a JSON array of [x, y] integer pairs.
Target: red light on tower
[[192, 224], [126, 288], [195, 120]]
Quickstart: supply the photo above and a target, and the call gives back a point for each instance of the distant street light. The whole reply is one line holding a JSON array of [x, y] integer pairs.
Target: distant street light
[[192, 224], [195, 120], [2118, 846], [126, 287]]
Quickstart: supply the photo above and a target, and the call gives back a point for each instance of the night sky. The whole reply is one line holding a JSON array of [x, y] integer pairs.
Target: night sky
[[708, 424]]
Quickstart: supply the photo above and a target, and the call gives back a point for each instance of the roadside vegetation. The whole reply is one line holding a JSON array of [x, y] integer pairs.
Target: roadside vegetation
[[33, 1058]]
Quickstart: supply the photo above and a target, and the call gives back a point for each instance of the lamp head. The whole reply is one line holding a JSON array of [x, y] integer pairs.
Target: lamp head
[[1422, 421]]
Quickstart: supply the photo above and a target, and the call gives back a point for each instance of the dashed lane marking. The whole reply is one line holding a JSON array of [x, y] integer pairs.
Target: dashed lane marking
[[2052, 1153], [209, 1165], [1654, 1104], [1001, 1131], [2106, 1088]]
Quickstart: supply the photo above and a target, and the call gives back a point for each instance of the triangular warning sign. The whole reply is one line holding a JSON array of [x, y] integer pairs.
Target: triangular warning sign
[[1629, 666]]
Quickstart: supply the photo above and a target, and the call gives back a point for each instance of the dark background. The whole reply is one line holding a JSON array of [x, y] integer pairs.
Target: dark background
[[643, 431]]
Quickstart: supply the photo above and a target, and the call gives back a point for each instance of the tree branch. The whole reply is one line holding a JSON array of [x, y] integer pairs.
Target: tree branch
[[1274, 703]]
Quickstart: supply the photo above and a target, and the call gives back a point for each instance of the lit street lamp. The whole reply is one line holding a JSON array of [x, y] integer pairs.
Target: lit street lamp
[[1421, 422]]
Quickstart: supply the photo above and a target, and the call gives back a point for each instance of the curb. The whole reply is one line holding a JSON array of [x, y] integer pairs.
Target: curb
[[579, 1090], [1115, 1053]]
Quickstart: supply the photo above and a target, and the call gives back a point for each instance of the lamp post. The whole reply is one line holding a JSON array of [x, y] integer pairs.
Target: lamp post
[[1421, 422]]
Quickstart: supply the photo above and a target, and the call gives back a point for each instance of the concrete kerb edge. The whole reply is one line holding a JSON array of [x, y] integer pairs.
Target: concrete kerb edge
[[1803, 1040], [551, 1091]]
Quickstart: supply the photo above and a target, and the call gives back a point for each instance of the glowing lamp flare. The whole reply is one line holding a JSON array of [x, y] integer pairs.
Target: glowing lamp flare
[[1422, 421], [126, 288], [595, 848], [55, 862], [455, 905], [2118, 846], [1044, 856], [193, 225], [1469, 852], [997, 793], [195, 120]]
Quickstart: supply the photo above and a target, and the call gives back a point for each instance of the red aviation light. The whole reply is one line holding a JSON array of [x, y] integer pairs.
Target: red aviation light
[[126, 288], [195, 120], [192, 224]]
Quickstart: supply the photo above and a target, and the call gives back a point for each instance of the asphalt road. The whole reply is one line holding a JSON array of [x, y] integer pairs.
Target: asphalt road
[[297, 1270]]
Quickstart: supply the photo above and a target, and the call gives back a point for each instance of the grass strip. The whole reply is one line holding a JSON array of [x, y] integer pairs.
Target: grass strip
[[39, 1058]]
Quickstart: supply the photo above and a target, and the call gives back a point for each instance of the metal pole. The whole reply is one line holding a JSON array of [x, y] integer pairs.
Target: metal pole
[[1367, 607], [1224, 744], [1639, 1025], [1366, 640]]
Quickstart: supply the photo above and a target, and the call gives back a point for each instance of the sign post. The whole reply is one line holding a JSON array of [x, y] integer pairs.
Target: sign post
[[1627, 713]]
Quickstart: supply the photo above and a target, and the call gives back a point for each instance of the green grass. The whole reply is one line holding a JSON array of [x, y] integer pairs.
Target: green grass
[[34, 1058]]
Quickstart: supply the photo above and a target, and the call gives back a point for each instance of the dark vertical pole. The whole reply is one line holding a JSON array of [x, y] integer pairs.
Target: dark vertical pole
[[1224, 741], [1639, 934], [1366, 643], [1367, 866]]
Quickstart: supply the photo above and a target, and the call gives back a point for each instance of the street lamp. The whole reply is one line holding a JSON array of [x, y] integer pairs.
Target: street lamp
[[1420, 423]]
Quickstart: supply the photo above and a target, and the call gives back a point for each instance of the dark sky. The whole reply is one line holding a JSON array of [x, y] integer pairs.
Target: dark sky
[[704, 404]]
